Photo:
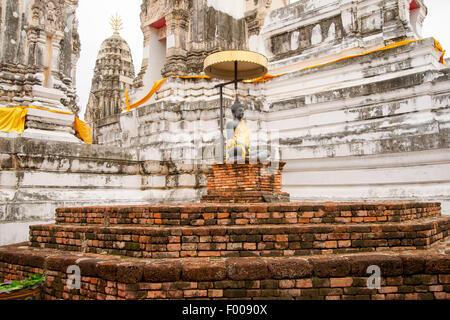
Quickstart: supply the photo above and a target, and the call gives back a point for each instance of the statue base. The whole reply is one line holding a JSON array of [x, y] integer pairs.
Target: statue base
[[245, 183]]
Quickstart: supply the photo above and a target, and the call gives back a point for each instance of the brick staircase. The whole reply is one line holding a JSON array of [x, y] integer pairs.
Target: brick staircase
[[243, 230]]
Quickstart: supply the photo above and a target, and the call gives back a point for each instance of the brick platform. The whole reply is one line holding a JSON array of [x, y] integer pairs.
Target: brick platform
[[247, 251], [245, 183], [411, 275]]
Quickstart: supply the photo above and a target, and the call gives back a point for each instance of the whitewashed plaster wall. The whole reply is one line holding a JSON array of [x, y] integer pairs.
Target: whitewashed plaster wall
[[372, 128]]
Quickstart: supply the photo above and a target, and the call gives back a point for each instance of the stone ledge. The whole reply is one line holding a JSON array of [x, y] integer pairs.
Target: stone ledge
[[245, 197], [35, 147], [405, 275], [240, 241], [244, 268]]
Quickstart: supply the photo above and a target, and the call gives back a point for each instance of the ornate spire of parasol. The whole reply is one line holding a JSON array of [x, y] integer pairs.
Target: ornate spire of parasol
[[116, 23]]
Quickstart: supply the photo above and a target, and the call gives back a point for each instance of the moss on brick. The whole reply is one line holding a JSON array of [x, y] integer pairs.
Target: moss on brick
[[134, 246]]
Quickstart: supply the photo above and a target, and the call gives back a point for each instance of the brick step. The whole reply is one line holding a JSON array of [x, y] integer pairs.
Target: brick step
[[210, 214], [404, 275], [224, 196], [225, 241]]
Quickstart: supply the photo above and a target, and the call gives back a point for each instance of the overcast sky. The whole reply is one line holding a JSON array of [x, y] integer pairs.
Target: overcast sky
[[94, 27]]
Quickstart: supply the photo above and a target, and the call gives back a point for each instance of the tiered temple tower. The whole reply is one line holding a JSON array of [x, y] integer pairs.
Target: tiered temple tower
[[113, 74], [39, 49]]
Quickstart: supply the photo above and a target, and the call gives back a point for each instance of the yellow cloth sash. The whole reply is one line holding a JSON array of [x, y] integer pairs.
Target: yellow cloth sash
[[155, 88], [437, 46], [13, 119], [241, 138], [83, 130]]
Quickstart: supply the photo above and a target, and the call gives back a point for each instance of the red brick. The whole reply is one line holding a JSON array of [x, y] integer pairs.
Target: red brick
[[290, 268], [444, 278], [204, 271], [195, 293], [388, 289], [130, 272], [389, 265], [330, 266], [282, 238], [344, 243], [250, 246], [215, 293], [174, 247], [247, 269], [150, 286], [331, 244], [208, 254], [107, 270], [413, 264], [307, 214], [56, 263], [341, 282], [162, 271], [436, 288], [412, 296], [287, 284], [156, 295], [437, 264], [269, 238]]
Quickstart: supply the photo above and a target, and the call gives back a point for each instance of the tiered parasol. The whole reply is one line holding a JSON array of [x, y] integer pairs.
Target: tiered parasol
[[235, 65]]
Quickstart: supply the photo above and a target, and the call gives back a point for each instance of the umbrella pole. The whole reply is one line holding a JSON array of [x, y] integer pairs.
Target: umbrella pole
[[235, 81], [221, 126], [236, 78]]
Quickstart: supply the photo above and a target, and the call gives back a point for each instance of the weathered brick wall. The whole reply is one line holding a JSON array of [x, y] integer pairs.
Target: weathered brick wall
[[412, 275], [245, 251], [194, 214], [246, 182], [223, 241]]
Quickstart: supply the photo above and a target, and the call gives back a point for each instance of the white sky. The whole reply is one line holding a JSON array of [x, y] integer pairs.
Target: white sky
[[94, 16]]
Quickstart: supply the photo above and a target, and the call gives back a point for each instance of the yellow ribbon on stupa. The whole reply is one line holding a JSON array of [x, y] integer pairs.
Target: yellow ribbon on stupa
[[83, 131], [438, 47], [155, 88], [268, 77], [13, 119]]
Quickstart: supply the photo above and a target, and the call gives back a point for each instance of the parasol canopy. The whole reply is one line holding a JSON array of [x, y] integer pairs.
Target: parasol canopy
[[235, 65], [222, 65]]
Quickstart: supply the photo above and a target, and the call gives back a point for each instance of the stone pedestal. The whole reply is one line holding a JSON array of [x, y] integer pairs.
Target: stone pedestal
[[245, 183]]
